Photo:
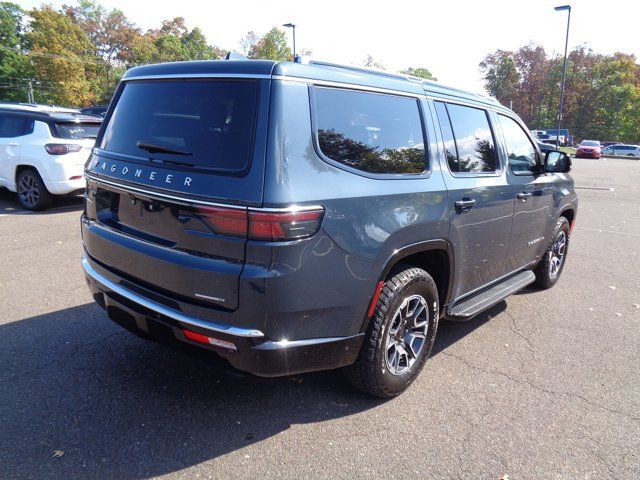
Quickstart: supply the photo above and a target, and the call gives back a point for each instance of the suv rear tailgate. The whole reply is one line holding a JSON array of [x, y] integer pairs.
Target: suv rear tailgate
[[147, 206]]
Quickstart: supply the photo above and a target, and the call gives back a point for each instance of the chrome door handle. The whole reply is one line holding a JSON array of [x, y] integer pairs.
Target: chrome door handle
[[523, 195], [464, 205]]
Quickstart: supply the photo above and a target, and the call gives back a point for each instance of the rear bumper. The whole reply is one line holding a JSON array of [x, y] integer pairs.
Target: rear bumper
[[253, 353]]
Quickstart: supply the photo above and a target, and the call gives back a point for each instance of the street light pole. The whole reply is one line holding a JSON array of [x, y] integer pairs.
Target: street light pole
[[564, 70], [292, 26]]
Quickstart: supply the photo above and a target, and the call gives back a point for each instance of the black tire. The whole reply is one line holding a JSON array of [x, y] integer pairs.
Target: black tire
[[372, 371], [32, 193], [545, 277]]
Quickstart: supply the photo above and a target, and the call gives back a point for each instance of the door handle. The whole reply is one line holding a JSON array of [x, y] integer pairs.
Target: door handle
[[464, 205], [523, 195]]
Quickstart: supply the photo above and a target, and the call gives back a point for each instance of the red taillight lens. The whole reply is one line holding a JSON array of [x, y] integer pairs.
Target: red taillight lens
[[260, 225], [61, 148], [279, 226], [200, 338], [226, 221]]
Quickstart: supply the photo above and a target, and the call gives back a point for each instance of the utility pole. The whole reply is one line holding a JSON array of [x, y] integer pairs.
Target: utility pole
[[292, 26], [618, 121], [564, 70], [30, 93]]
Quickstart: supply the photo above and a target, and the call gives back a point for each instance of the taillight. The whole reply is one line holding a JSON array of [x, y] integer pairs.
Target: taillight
[[61, 148], [226, 221], [263, 225], [279, 226]]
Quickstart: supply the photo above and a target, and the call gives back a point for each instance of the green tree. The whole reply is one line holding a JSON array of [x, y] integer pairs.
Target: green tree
[[420, 72], [196, 46], [62, 57], [272, 46], [15, 69]]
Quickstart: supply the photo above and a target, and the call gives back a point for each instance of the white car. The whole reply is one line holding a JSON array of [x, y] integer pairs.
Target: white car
[[43, 152], [626, 150]]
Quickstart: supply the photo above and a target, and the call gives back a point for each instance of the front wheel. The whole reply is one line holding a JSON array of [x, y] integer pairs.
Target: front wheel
[[400, 335], [550, 266]]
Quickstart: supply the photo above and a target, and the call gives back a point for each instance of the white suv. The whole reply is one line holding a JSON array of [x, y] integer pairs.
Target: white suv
[[43, 151]]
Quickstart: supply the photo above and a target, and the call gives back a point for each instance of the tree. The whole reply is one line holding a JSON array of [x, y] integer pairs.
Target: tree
[[272, 46], [62, 57], [248, 42], [420, 72], [370, 62], [15, 69], [196, 46]]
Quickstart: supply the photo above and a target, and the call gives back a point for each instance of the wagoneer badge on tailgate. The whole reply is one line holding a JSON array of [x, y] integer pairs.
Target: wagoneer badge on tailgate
[[142, 173]]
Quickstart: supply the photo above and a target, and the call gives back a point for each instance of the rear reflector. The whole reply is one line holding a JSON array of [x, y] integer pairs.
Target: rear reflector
[[375, 298], [262, 225], [200, 338], [75, 177]]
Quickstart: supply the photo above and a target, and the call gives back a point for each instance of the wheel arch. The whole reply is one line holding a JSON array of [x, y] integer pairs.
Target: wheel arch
[[434, 256]]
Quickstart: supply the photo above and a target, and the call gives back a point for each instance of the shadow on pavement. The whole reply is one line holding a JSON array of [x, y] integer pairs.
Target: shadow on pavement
[[120, 407], [9, 205]]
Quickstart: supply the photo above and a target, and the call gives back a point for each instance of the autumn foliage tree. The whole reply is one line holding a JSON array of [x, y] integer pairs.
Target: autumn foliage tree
[[602, 92]]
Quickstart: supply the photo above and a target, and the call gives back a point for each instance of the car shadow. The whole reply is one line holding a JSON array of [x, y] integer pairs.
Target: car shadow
[[9, 204], [82, 398]]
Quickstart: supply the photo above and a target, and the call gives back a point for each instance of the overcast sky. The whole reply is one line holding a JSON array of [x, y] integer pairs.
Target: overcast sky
[[449, 37]]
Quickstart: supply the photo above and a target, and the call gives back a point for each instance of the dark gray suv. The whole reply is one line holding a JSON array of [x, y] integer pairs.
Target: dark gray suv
[[301, 216]]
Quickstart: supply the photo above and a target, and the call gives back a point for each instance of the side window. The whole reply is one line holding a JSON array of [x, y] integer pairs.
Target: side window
[[474, 141], [447, 134], [520, 151], [11, 126], [372, 132]]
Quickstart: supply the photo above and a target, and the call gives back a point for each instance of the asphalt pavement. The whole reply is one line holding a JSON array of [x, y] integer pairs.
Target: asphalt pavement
[[543, 386]]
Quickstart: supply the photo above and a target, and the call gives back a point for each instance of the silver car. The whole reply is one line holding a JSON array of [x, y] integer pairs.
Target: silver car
[[625, 150]]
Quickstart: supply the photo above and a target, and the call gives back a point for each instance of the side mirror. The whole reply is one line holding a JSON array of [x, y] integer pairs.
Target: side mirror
[[556, 161]]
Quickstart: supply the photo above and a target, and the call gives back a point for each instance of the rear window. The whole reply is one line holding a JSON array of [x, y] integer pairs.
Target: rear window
[[205, 124], [76, 131], [372, 132]]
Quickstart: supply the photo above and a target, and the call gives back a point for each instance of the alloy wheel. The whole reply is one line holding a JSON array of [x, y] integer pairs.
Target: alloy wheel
[[557, 254], [407, 334], [28, 190]]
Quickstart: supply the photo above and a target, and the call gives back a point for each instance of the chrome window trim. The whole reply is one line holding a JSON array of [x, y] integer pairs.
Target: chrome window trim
[[196, 75], [349, 86], [190, 201]]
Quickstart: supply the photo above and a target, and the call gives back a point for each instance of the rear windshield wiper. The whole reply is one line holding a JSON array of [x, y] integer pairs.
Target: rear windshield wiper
[[157, 148]]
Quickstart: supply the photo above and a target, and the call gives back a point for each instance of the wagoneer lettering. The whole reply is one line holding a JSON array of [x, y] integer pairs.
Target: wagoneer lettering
[[293, 217]]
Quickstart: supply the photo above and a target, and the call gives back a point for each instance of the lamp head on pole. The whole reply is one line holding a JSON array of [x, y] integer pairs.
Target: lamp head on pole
[[562, 7], [289, 25]]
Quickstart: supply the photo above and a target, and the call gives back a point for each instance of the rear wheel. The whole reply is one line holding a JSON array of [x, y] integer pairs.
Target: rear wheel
[[550, 266], [400, 335], [32, 193]]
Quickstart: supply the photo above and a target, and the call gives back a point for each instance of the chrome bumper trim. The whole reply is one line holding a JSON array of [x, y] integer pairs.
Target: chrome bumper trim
[[107, 285]]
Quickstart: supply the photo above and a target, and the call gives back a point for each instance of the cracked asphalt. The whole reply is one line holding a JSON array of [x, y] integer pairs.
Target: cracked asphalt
[[544, 385]]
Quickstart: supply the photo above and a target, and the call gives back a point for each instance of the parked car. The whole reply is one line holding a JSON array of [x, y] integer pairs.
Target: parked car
[[97, 110], [588, 149], [43, 152], [545, 147], [621, 149], [294, 217], [607, 144]]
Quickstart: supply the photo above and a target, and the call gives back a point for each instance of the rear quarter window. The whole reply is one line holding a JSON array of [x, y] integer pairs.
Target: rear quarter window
[[205, 124], [371, 132]]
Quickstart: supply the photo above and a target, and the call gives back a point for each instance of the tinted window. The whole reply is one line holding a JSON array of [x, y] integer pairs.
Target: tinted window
[[204, 124], [11, 126], [76, 130], [474, 141], [520, 151], [372, 132], [590, 143], [447, 135]]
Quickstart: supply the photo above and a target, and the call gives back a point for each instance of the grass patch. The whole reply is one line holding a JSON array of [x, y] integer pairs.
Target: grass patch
[[568, 150]]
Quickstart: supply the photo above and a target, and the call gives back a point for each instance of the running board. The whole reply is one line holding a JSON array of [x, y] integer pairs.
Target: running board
[[472, 306]]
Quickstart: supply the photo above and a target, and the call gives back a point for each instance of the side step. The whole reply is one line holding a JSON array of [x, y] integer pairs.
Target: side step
[[472, 306]]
